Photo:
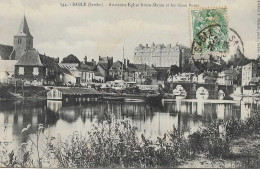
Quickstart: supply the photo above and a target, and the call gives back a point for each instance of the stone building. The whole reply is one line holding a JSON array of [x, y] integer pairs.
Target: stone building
[[161, 55], [30, 69], [249, 72]]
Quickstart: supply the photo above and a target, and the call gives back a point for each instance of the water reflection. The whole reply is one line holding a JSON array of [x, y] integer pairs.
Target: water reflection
[[63, 119]]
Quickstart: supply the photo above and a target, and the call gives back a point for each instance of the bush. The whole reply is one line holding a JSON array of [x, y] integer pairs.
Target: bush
[[209, 141], [116, 145]]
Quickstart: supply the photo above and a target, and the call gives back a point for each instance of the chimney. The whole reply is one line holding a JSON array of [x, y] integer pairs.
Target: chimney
[[94, 62], [127, 64], [86, 59], [140, 45], [146, 45], [124, 66]]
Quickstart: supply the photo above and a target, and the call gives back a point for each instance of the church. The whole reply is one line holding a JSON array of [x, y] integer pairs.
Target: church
[[23, 60]]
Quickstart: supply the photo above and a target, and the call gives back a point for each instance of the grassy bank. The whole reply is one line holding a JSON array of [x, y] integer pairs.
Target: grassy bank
[[10, 92], [115, 143]]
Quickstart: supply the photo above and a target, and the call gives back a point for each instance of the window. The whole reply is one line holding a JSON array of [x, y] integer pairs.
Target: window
[[19, 40], [35, 71], [21, 71]]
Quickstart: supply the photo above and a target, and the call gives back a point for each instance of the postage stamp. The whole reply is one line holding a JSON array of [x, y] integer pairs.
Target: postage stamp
[[209, 30]]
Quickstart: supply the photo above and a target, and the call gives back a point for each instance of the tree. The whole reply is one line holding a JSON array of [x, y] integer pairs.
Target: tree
[[70, 59], [174, 69], [148, 81], [187, 67]]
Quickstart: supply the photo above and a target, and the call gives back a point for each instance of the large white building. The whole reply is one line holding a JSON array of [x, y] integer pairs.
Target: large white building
[[249, 72], [161, 55]]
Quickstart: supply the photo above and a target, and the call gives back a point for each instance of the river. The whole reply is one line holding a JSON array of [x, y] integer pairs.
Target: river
[[151, 120]]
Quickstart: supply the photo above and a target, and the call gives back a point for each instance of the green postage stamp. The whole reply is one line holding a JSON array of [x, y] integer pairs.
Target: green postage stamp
[[209, 30]]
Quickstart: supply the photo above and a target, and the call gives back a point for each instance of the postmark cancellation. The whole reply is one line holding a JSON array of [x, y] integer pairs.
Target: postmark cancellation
[[209, 30]]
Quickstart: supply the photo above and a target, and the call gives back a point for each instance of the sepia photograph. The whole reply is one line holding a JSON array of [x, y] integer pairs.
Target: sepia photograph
[[130, 84]]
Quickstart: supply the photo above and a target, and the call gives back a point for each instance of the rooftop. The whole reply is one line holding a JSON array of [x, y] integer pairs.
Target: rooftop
[[30, 58], [5, 51]]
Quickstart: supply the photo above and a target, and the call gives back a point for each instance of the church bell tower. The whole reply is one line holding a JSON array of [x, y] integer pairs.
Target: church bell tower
[[23, 40]]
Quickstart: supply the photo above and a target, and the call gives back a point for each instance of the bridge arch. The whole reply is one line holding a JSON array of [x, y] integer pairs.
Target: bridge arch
[[202, 93]]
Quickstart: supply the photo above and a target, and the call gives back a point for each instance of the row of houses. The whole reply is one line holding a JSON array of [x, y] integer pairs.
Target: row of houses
[[35, 69], [22, 62], [86, 73]]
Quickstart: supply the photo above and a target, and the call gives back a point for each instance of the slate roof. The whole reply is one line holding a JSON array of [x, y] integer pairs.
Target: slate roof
[[85, 67], [74, 91], [5, 51], [30, 58], [117, 66], [98, 74], [141, 67], [68, 65], [64, 70], [103, 65], [255, 79], [48, 61]]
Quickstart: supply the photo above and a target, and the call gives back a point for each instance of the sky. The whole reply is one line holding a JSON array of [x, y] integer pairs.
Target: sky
[[93, 31]]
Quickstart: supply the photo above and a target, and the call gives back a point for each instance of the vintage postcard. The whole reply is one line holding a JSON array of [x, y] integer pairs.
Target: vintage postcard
[[129, 84]]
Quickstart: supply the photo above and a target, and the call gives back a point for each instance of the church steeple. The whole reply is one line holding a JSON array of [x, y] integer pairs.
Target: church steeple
[[23, 40], [24, 28]]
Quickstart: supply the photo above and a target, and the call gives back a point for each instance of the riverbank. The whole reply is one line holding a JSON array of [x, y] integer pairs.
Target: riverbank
[[11, 92], [245, 154], [115, 143]]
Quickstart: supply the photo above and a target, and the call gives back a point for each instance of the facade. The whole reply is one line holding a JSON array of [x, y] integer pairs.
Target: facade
[[117, 70], [69, 79], [140, 72], [227, 77], [249, 71], [87, 76], [99, 78], [161, 55], [29, 68]]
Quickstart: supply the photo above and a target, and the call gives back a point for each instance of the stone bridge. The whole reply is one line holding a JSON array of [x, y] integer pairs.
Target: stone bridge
[[191, 89]]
